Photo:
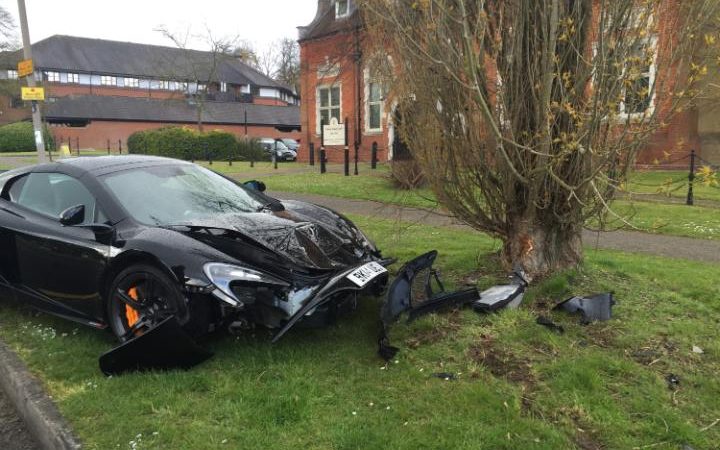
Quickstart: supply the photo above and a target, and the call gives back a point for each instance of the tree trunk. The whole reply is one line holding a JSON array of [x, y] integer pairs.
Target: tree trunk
[[542, 248]]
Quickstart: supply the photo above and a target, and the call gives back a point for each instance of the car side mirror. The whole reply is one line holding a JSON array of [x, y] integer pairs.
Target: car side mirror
[[255, 185], [74, 215]]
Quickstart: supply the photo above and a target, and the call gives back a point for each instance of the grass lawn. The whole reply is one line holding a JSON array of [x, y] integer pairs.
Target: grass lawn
[[676, 220], [368, 186], [520, 385], [671, 183], [671, 219]]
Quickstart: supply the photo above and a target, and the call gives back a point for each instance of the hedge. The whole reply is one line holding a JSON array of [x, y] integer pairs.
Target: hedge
[[19, 137], [188, 144]]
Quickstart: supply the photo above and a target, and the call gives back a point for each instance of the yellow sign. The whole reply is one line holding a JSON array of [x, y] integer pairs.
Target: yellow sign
[[33, 93], [25, 68]]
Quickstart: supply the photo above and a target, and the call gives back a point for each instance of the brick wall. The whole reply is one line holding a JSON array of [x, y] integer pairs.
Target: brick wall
[[337, 49]]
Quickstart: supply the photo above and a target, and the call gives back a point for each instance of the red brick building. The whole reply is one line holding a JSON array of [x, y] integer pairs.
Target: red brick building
[[336, 83], [100, 92]]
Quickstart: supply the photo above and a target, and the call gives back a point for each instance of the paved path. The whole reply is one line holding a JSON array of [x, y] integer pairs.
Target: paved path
[[13, 433], [629, 241]]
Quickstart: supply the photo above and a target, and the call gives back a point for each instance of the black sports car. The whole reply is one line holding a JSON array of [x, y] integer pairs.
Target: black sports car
[[128, 242]]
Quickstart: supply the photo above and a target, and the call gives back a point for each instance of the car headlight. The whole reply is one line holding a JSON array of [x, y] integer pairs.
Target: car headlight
[[223, 275]]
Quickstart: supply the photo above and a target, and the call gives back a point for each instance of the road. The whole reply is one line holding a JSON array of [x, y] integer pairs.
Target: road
[[13, 433]]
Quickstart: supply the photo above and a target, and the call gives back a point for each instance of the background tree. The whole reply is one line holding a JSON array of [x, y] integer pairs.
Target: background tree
[[526, 115], [247, 53], [288, 63], [198, 72]]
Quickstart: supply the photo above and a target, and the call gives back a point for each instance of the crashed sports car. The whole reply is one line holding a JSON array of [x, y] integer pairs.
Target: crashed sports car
[[130, 242]]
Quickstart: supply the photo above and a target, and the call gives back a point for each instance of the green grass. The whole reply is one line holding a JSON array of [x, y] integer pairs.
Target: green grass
[[670, 183], [520, 385], [375, 186], [675, 220]]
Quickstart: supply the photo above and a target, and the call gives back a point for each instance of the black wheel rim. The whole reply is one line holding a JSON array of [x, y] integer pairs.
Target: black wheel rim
[[141, 301]]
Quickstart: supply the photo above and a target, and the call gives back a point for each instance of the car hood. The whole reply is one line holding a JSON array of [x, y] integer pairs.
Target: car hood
[[306, 235]]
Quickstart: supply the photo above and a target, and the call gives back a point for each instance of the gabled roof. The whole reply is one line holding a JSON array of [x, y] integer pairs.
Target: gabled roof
[[70, 53], [326, 24], [95, 107]]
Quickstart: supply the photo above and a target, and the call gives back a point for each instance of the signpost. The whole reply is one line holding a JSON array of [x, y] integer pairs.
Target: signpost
[[33, 94], [25, 68], [334, 133], [27, 53]]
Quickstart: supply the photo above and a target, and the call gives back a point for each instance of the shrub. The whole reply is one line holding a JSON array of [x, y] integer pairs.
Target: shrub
[[185, 143], [19, 137]]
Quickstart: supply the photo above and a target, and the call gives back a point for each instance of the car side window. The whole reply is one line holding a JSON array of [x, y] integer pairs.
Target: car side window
[[52, 193]]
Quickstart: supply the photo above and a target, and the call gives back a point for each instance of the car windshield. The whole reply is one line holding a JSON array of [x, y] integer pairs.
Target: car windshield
[[290, 142], [280, 145], [177, 194]]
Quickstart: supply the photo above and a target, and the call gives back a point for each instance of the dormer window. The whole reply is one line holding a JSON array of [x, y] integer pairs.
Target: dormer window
[[342, 8]]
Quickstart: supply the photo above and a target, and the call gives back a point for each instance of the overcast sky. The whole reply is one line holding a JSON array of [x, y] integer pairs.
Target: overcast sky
[[260, 22]]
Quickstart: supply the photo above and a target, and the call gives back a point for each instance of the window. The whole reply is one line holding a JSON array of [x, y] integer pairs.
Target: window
[[132, 83], [223, 86], [342, 8], [52, 77], [12, 74], [107, 80], [73, 78], [165, 85], [328, 105], [374, 110], [181, 86], [201, 87], [52, 193], [639, 74]]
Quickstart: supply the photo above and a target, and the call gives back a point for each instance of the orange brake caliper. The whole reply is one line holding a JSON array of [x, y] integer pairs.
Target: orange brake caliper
[[131, 314]]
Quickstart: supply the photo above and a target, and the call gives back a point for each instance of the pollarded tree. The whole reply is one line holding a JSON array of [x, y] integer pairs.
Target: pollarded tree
[[526, 115]]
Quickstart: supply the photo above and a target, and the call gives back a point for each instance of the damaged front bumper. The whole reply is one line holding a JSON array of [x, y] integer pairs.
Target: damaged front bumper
[[372, 276]]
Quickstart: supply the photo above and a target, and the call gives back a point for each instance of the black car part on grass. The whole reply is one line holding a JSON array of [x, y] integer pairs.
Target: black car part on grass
[[165, 347], [505, 296], [593, 308], [547, 322], [412, 292]]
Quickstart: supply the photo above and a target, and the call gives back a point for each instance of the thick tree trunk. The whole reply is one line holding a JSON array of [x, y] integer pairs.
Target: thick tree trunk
[[541, 249]]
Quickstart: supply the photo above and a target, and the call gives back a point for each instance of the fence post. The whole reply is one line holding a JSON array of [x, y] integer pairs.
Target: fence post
[[311, 147], [77, 145], [357, 145], [108, 146], [691, 180], [274, 156], [323, 169], [373, 163], [120, 146]]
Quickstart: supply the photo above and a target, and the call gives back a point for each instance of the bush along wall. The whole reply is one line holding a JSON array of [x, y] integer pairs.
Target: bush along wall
[[188, 144], [19, 137]]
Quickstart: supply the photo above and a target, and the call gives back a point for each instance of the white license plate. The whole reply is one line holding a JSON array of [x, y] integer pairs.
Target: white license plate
[[365, 274]]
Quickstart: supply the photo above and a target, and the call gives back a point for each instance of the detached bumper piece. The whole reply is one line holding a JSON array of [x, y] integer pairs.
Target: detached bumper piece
[[165, 347], [412, 293], [594, 308], [507, 296]]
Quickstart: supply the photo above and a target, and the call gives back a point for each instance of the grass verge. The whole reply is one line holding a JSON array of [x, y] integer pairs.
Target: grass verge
[[671, 183], [519, 385]]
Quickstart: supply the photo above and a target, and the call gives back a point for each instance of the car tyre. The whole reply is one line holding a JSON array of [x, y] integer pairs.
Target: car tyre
[[140, 298]]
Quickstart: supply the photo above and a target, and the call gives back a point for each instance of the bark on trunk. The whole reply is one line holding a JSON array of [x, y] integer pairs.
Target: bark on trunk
[[541, 249]]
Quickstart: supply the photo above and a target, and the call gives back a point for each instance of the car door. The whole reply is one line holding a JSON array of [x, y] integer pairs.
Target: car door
[[58, 268]]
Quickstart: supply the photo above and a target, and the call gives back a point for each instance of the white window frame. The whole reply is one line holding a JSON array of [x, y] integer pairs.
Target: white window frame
[[318, 108], [73, 78], [223, 86], [52, 77], [368, 103], [130, 82], [164, 85], [12, 74], [108, 80], [338, 13], [623, 115]]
